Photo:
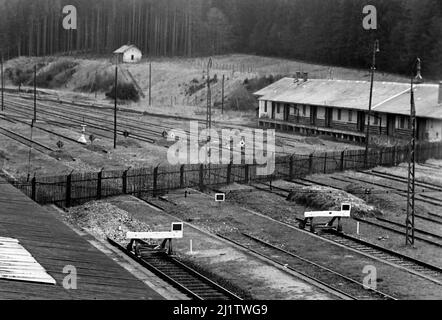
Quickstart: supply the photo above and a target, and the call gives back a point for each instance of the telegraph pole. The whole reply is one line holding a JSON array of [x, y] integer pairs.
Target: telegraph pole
[[3, 84], [115, 106], [409, 222], [35, 93], [209, 109], [150, 84], [373, 68], [222, 97], [209, 98]]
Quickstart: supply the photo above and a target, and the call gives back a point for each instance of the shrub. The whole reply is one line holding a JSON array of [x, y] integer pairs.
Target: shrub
[[125, 91], [98, 81], [56, 74], [241, 99], [256, 84], [19, 75]]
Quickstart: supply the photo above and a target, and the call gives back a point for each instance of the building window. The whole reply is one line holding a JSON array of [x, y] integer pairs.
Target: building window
[[265, 106], [304, 111], [339, 114], [350, 116], [376, 119], [278, 108], [402, 122]]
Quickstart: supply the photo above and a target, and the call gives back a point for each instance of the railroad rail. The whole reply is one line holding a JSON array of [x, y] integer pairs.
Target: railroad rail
[[178, 274], [100, 107], [26, 141], [380, 223], [398, 178], [414, 266], [78, 118], [333, 282], [141, 130], [398, 192]]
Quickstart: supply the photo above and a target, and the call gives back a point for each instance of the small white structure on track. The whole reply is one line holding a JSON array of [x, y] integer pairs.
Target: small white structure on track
[[82, 139], [343, 213], [128, 54], [176, 232]]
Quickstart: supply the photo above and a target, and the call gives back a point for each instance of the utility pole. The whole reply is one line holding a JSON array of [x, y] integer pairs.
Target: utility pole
[[222, 97], [35, 93], [150, 84], [209, 109], [115, 106], [373, 68], [409, 223], [209, 98], [3, 84]]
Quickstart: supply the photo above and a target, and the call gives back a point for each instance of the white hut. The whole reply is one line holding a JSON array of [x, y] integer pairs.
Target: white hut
[[128, 54]]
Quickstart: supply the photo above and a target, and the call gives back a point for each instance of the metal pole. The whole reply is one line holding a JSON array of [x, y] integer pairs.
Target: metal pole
[[150, 84], [3, 84], [373, 68], [222, 97], [209, 97], [35, 93], [115, 107], [409, 223]]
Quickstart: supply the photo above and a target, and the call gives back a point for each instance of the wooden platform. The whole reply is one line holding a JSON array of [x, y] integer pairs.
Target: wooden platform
[[54, 245]]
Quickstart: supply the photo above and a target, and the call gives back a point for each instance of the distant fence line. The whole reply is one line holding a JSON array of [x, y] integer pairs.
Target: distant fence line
[[78, 188]]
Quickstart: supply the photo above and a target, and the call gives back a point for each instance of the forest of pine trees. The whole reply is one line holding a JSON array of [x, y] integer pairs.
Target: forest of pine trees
[[322, 31]]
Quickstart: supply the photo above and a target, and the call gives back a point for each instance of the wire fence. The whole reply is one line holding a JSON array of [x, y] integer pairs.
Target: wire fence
[[78, 188]]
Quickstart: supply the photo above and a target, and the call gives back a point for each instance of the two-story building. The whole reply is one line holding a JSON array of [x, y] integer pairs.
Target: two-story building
[[340, 108]]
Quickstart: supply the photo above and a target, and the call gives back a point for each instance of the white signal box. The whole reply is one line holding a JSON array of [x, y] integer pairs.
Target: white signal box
[[220, 197], [344, 213], [176, 232]]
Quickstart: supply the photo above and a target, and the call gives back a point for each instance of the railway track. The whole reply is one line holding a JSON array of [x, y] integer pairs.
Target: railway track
[[333, 282], [394, 177], [36, 126], [96, 123], [399, 191], [433, 217], [26, 141], [417, 267], [385, 224], [140, 129], [175, 272]]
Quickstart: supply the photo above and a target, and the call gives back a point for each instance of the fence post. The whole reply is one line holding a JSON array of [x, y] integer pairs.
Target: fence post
[[125, 181], [68, 190], [325, 162], [201, 182], [342, 160], [33, 187], [381, 156], [246, 173], [155, 181], [99, 176], [229, 172], [310, 163], [182, 176], [291, 164]]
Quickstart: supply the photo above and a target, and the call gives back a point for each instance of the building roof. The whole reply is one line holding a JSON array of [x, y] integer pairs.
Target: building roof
[[54, 245], [124, 48], [388, 97]]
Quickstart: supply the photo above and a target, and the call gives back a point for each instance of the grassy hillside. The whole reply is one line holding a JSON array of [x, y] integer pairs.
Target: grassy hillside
[[179, 84]]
